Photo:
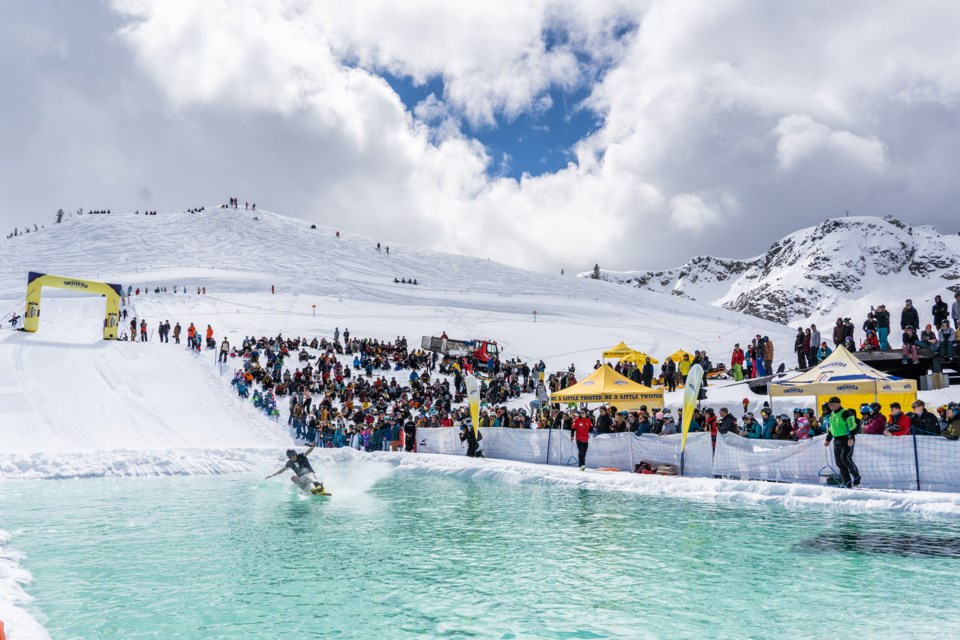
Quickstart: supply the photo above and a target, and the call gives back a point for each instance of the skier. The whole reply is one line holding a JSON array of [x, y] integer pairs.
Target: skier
[[303, 474], [176, 333], [224, 350], [143, 331]]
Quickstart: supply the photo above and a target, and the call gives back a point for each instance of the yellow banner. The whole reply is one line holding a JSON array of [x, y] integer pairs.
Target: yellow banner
[[691, 393], [473, 397]]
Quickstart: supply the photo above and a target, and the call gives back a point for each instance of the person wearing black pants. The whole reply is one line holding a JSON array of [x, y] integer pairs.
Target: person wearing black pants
[[581, 432], [467, 435], [841, 427]]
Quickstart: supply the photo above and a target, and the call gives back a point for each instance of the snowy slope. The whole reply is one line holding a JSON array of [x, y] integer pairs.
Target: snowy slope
[[838, 268], [67, 390]]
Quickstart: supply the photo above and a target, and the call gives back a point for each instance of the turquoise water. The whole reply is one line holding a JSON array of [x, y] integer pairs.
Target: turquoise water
[[418, 555]]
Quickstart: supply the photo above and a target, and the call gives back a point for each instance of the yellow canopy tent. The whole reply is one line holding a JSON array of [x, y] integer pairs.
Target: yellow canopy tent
[[618, 351], [605, 385], [677, 355], [638, 357], [855, 382]]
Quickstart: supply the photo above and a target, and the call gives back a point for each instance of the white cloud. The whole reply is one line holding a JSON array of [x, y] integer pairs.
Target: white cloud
[[689, 212], [722, 111], [801, 137]]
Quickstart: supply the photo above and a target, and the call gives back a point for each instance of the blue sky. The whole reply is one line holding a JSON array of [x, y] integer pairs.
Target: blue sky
[[535, 142]]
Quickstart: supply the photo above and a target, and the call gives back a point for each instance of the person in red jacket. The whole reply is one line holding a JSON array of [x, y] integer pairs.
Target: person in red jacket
[[581, 431], [898, 424]]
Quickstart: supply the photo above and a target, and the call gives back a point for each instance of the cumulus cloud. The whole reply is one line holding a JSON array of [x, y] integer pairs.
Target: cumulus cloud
[[712, 116], [800, 137], [690, 213]]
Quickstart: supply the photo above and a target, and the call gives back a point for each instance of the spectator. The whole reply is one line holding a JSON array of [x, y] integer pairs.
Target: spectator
[[824, 352], [923, 422], [736, 362], [838, 332], [899, 423], [940, 311], [727, 423], [751, 428], [814, 344], [955, 310], [910, 345], [870, 342], [801, 348], [646, 375], [946, 336], [952, 431], [928, 339], [882, 316], [871, 420], [909, 316], [769, 423]]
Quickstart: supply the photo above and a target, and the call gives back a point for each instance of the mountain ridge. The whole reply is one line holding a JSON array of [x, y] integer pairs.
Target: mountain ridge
[[842, 263]]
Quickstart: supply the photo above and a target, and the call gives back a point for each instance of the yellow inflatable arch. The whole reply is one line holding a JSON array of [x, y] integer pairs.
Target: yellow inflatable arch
[[36, 281]]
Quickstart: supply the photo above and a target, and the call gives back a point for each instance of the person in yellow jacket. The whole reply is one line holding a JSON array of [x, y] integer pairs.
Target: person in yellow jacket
[[683, 368]]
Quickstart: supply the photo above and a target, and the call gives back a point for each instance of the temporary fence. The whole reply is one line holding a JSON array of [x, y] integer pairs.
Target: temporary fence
[[551, 446], [928, 463]]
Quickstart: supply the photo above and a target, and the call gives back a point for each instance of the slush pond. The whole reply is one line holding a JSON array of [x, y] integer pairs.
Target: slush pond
[[402, 554]]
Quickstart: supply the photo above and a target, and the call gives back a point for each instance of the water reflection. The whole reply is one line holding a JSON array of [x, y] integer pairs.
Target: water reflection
[[853, 540]]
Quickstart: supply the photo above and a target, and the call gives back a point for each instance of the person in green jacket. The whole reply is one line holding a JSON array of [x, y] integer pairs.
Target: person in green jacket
[[841, 424]]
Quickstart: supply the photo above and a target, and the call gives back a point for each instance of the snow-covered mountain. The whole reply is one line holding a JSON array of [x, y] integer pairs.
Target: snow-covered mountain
[[839, 267]]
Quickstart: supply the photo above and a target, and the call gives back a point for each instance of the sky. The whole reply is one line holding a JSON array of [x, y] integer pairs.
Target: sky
[[546, 134]]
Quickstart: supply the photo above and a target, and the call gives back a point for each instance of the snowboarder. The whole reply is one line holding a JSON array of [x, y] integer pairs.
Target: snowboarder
[[303, 474]]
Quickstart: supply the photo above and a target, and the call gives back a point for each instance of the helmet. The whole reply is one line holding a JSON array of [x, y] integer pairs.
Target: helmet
[[876, 407], [748, 414], [803, 422], [783, 416], [865, 408]]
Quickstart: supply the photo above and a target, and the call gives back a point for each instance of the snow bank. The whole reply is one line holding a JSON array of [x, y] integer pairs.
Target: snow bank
[[702, 489], [14, 600], [116, 463]]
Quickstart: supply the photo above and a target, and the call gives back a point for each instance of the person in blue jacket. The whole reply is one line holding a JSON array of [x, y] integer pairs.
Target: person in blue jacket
[[751, 428], [769, 423]]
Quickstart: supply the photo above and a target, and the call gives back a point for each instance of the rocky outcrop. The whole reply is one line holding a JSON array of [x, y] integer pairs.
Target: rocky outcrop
[[810, 272]]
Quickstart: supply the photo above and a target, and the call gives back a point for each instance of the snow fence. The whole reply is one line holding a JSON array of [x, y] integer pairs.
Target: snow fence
[[549, 446], [908, 463]]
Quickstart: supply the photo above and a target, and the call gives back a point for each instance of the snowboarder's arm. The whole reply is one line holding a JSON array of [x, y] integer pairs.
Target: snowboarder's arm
[[275, 474], [312, 447]]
